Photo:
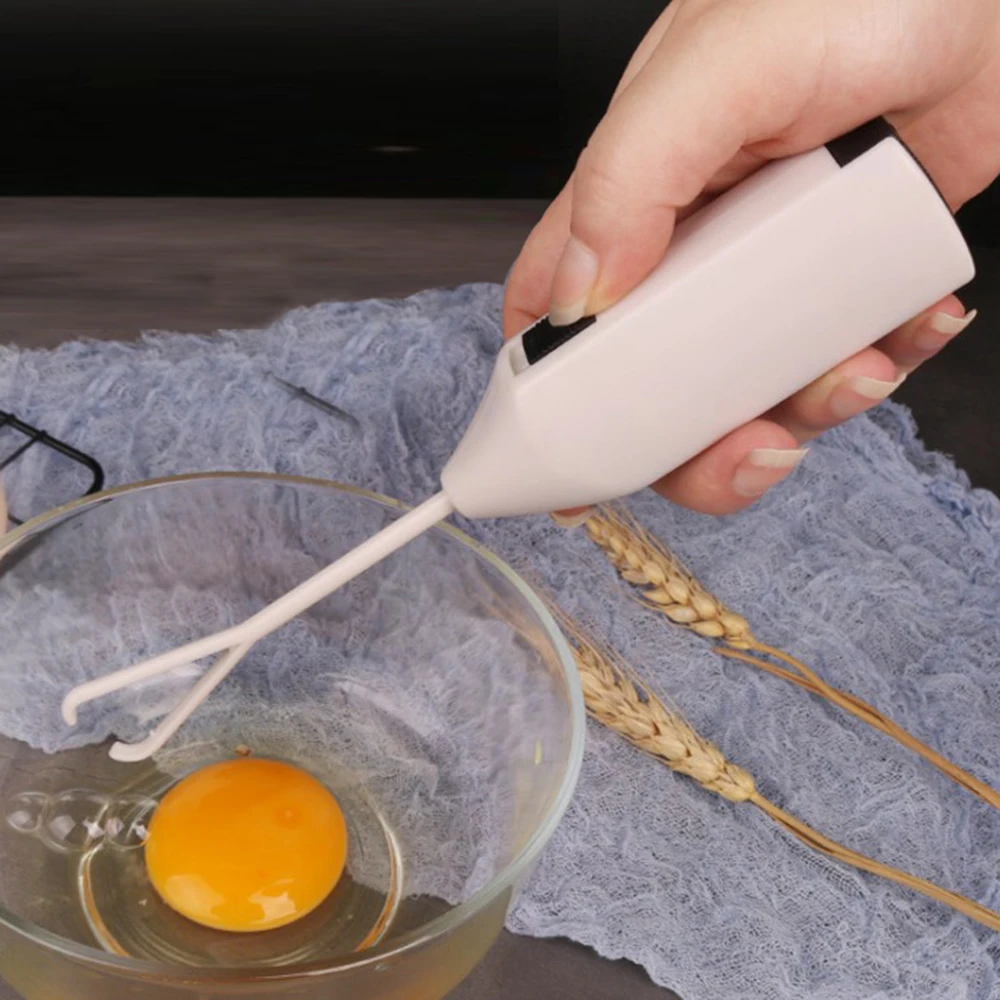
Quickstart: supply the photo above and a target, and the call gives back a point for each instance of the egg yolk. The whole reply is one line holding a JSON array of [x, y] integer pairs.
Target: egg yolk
[[246, 845]]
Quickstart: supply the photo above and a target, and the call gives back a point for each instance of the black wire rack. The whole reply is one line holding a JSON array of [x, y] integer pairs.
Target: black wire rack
[[34, 436]]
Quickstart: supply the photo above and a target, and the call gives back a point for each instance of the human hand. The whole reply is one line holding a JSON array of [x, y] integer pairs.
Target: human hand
[[718, 88]]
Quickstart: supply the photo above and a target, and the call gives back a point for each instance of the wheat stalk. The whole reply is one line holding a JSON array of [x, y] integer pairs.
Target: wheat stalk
[[666, 583], [619, 701], [670, 588]]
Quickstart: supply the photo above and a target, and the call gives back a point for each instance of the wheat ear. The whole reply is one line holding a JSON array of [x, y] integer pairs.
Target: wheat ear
[[670, 588], [619, 701]]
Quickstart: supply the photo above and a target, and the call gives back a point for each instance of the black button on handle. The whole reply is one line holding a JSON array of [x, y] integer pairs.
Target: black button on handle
[[543, 338]]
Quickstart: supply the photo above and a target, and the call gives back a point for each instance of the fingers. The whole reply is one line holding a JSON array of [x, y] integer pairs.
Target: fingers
[[737, 470], [740, 468], [698, 100], [529, 286], [733, 473], [528, 291], [923, 337], [872, 375], [851, 388]]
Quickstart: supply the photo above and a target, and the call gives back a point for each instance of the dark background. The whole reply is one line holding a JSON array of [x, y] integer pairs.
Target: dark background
[[408, 98]]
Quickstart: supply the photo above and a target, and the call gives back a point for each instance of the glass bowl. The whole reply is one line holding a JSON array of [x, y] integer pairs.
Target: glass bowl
[[434, 696]]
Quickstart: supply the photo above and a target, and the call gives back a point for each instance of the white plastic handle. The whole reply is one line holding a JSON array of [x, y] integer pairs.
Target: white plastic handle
[[773, 284]]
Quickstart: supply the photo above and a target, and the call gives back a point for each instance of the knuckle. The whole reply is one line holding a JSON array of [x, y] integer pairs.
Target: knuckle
[[615, 199], [601, 182]]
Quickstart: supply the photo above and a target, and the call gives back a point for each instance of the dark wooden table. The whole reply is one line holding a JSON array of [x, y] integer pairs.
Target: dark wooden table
[[73, 268]]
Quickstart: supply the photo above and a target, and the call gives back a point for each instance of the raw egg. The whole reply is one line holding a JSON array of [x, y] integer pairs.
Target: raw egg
[[246, 845]]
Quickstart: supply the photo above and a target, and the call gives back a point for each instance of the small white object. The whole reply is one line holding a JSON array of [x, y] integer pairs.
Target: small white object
[[775, 282]]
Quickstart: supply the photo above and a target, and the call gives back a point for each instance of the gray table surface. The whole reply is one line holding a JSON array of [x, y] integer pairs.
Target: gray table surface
[[71, 268]]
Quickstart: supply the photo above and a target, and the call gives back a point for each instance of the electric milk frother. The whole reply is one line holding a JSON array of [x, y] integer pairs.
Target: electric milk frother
[[802, 265]]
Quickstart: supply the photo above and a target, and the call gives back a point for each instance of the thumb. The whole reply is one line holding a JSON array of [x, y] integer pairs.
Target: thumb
[[716, 84]]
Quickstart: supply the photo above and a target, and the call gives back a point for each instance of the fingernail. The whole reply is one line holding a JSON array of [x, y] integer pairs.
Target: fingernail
[[844, 402], [574, 280], [573, 519], [762, 468], [943, 325]]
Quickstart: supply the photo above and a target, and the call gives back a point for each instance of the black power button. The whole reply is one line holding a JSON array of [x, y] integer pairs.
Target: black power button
[[543, 338]]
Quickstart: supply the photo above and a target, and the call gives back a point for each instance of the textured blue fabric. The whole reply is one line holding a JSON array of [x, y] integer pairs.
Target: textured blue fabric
[[875, 562]]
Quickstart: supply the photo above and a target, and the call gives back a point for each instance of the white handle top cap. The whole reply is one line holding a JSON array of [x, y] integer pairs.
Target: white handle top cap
[[775, 282]]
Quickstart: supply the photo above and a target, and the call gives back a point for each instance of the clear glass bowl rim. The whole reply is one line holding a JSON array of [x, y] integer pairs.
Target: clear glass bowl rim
[[438, 927]]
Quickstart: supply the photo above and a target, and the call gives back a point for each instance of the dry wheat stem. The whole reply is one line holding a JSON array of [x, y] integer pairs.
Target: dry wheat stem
[[871, 715], [669, 587], [815, 840], [615, 698]]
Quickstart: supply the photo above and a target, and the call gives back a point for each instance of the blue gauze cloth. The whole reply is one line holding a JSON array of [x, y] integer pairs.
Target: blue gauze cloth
[[876, 563]]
